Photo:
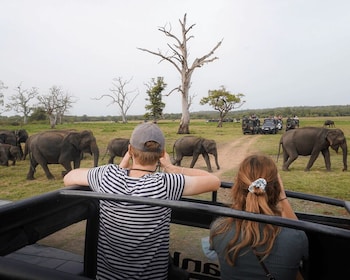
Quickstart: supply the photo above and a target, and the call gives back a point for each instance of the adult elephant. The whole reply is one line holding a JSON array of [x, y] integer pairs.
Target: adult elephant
[[60, 147], [15, 138], [310, 141], [63, 132], [195, 146], [117, 147]]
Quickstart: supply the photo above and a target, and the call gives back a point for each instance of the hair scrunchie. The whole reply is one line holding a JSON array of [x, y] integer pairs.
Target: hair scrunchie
[[258, 183]]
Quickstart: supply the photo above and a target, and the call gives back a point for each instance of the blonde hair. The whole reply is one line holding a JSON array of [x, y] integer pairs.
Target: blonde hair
[[252, 234], [151, 156]]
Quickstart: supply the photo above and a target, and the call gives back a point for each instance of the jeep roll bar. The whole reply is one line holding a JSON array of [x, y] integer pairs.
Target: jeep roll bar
[[29, 220]]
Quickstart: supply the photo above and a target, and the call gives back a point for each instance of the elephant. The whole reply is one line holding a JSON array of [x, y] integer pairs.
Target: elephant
[[3, 156], [310, 141], [9, 153], [15, 138], [117, 147], [194, 146], [329, 123], [62, 132], [59, 147]]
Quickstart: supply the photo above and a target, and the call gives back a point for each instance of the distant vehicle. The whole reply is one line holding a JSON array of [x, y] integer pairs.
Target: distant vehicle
[[217, 120], [250, 125], [269, 126], [292, 123], [279, 124]]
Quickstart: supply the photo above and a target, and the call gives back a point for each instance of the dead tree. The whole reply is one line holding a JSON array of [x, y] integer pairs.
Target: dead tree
[[120, 96], [179, 59]]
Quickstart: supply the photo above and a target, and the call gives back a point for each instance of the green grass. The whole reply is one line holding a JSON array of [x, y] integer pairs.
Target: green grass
[[14, 185]]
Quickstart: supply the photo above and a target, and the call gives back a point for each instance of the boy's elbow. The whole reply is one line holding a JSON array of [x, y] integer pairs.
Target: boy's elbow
[[217, 184], [67, 181]]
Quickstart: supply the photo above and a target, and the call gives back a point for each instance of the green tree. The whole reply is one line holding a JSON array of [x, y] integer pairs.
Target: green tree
[[39, 114], [179, 57], [223, 101], [154, 110]]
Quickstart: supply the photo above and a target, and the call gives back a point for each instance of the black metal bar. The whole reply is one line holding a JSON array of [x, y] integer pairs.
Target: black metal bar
[[305, 196], [217, 210]]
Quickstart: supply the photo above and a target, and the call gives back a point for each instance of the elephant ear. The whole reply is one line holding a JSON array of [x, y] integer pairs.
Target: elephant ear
[[332, 140], [205, 143], [329, 139], [208, 144], [73, 139]]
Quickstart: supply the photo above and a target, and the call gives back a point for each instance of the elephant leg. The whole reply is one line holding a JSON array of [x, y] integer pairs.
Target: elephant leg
[[217, 163], [47, 171], [194, 160], [67, 166], [111, 160], [313, 157], [32, 166], [21, 153], [287, 160], [207, 161], [327, 159], [177, 160], [285, 156]]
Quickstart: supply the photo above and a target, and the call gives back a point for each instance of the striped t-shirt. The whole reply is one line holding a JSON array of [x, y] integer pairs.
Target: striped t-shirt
[[133, 238]]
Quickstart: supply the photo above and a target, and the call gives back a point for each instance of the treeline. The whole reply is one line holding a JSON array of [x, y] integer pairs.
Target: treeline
[[285, 112], [302, 111]]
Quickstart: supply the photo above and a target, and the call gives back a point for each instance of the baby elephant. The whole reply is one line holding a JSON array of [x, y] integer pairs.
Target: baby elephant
[[329, 123], [195, 146], [117, 147], [9, 152]]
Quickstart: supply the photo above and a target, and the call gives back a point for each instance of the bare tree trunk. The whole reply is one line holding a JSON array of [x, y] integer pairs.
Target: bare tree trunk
[[184, 127], [53, 119], [124, 119]]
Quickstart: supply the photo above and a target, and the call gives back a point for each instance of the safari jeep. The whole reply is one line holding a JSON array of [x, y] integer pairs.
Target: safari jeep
[[24, 223], [250, 125]]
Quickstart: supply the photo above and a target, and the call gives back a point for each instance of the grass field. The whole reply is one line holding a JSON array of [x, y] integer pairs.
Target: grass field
[[335, 184], [14, 185]]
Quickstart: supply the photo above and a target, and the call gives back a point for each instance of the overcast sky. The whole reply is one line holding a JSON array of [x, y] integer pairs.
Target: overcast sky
[[278, 53]]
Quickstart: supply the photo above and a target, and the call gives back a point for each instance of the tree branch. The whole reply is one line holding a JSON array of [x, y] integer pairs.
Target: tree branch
[[198, 62]]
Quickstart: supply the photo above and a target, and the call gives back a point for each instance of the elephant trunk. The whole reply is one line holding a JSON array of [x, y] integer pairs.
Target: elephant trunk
[[345, 156], [95, 151]]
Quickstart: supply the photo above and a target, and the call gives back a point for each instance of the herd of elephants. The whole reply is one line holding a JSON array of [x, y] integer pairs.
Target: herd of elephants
[[67, 146]]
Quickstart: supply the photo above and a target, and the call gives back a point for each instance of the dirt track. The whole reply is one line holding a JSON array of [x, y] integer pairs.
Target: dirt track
[[232, 153]]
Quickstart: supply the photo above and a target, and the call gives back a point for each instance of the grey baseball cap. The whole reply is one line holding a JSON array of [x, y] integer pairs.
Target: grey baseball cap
[[146, 132]]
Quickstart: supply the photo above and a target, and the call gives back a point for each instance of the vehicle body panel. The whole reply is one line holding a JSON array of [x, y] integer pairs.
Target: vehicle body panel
[[27, 221]]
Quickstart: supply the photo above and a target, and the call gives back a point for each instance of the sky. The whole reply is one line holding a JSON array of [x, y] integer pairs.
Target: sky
[[278, 53]]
